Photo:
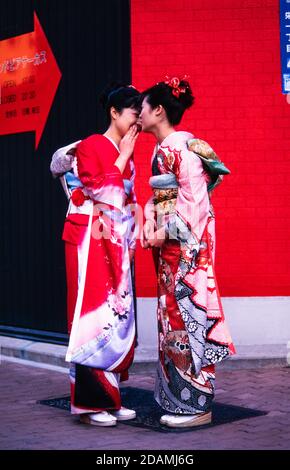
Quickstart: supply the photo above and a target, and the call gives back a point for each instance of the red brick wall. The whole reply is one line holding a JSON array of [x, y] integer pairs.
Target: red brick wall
[[231, 51]]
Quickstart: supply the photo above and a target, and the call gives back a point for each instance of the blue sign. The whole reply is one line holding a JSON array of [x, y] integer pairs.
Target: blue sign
[[285, 44]]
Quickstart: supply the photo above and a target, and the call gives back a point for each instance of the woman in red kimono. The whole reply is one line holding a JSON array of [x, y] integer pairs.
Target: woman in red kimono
[[193, 335], [99, 235]]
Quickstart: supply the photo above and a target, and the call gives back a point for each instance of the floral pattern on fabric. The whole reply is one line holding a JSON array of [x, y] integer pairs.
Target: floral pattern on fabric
[[193, 335]]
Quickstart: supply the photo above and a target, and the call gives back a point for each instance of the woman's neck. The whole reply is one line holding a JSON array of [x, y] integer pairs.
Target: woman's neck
[[162, 131], [113, 134]]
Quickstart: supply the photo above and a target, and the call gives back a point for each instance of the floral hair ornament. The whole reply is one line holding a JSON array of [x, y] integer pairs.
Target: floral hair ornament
[[174, 83]]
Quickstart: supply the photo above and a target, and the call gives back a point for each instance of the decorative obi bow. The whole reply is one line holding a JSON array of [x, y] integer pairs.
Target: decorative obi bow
[[211, 163]]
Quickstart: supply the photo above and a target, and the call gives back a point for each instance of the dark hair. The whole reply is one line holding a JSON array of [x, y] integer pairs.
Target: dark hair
[[120, 96], [162, 94]]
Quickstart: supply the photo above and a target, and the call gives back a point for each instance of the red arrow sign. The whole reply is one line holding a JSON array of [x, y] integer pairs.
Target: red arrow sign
[[29, 77]]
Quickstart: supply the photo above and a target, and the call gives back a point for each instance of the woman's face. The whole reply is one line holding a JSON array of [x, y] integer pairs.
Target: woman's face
[[147, 116], [125, 119]]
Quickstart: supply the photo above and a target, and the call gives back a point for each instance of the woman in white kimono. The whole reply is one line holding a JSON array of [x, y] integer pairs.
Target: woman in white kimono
[[193, 335]]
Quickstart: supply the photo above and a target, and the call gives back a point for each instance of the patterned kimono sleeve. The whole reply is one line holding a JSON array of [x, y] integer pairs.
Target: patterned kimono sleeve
[[189, 220], [106, 187], [61, 161]]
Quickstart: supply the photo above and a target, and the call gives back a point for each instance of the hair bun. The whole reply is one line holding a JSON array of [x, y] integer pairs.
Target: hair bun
[[113, 87], [186, 98], [173, 94], [180, 89]]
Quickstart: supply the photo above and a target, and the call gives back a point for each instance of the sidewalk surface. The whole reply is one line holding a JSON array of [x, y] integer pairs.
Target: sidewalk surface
[[28, 425], [247, 357]]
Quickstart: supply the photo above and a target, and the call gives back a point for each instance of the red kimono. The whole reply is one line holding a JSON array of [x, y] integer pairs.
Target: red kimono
[[98, 232]]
